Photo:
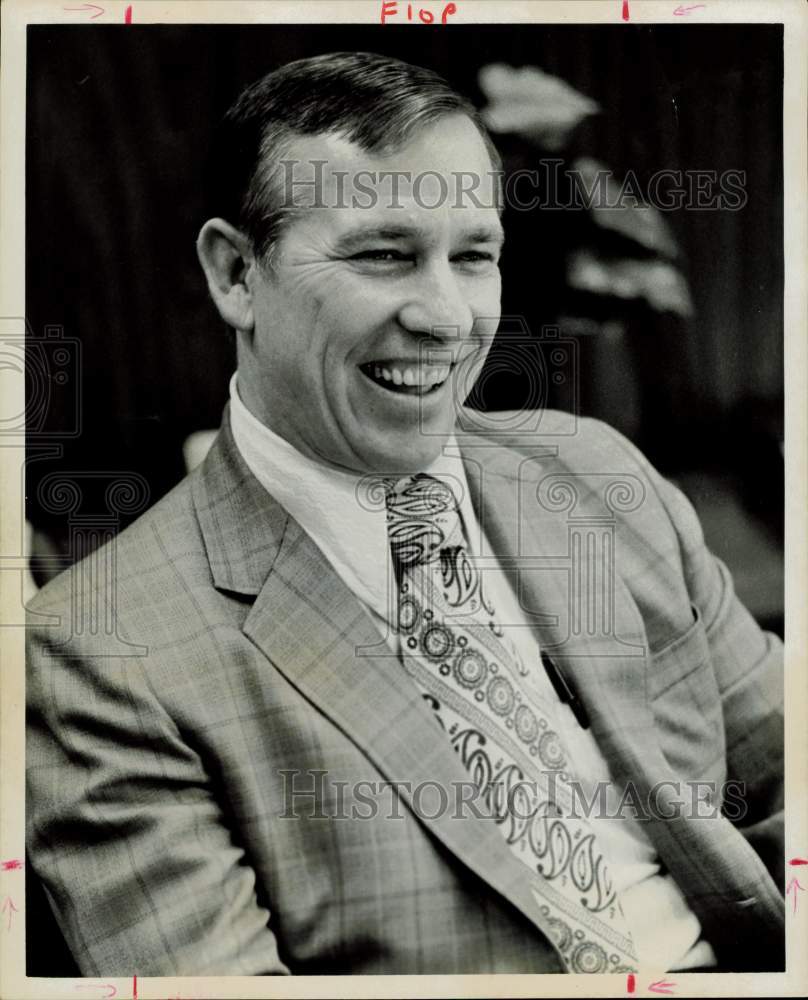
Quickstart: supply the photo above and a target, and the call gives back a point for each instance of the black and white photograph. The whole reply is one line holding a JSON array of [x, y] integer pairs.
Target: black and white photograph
[[403, 500]]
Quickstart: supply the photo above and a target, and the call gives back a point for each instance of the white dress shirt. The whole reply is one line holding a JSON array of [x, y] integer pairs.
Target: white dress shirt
[[330, 504]]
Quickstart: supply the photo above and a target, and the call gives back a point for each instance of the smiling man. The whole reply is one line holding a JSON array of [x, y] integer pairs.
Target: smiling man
[[381, 695]]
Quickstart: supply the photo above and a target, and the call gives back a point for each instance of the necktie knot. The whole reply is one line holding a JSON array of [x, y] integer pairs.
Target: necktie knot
[[422, 518]]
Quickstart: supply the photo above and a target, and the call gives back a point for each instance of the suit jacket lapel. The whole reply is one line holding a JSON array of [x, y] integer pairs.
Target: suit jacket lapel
[[588, 624]]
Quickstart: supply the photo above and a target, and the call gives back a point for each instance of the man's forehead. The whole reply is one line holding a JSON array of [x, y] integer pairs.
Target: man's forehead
[[441, 166], [450, 143]]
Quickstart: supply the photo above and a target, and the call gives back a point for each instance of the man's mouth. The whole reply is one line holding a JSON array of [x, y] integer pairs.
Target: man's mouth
[[407, 378]]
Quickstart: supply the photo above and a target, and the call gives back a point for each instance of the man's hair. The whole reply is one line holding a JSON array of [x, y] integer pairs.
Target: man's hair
[[372, 100]]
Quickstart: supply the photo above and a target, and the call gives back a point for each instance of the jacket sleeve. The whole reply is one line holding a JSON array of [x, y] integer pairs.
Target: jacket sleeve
[[748, 665], [125, 829]]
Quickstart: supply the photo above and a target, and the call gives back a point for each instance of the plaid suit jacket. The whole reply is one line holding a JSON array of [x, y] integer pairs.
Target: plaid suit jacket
[[184, 680]]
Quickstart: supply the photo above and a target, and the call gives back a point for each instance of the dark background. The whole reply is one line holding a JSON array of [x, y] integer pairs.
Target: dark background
[[118, 125]]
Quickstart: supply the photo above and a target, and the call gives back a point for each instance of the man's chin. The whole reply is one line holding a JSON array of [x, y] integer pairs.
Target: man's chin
[[393, 456]]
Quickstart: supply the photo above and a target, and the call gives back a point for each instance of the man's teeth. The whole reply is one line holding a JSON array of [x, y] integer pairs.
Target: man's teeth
[[421, 376]]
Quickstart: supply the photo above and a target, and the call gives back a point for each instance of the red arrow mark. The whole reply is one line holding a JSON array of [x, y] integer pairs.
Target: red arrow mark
[[630, 983], [8, 904], [14, 863], [625, 10], [795, 885], [127, 15], [660, 986], [87, 7], [134, 987], [798, 861], [682, 11]]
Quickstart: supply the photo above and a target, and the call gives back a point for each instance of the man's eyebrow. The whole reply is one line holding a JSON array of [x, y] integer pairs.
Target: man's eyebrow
[[356, 237], [364, 234], [486, 234]]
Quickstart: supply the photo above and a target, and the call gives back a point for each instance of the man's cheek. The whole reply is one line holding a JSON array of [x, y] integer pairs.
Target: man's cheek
[[484, 298], [317, 278], [346, 324], [486, 323]]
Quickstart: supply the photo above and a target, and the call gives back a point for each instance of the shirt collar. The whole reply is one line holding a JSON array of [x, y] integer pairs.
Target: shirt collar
[[334, 506]]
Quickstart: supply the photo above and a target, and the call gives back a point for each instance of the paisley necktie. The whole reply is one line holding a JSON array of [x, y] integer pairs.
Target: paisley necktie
[[500, 722]]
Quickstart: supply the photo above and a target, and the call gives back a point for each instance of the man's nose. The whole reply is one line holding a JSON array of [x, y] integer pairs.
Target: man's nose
[[437, 305]]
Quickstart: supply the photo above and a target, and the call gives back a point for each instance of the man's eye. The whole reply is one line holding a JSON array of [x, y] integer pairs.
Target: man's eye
[[478, 257], [380, 255]]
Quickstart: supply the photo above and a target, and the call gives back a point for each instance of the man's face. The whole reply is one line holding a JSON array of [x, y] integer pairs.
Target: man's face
[[373, 322]]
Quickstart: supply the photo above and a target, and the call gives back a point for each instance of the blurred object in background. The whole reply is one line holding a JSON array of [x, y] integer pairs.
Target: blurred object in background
[[196, 446], [646, 269], [533, 104], [47, 557], [657, 283], [34, 550], [616, 255]]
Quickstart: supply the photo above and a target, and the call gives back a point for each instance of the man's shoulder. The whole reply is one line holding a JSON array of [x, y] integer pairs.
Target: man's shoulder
[[165, 540], [567, 440], [565, 462]]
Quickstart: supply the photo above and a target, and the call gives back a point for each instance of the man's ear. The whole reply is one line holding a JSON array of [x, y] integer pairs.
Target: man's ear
[[226, 257]]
